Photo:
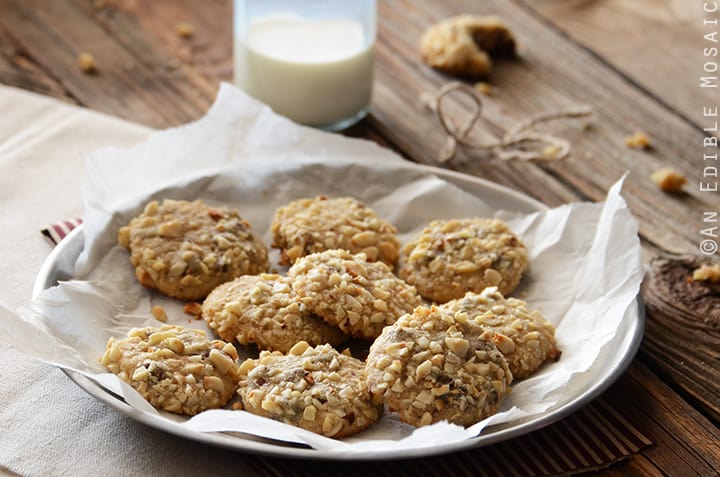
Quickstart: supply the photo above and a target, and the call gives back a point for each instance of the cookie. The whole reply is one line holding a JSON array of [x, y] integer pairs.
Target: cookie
[[185, 249], [347, 291], [317, 389], [176, 369], [307, 226], [525, 338], [463, 45], [264, 309], [452, 257], [430, 366]]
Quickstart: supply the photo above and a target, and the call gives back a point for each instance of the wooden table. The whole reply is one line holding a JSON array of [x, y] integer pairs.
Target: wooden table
[[637, 63]]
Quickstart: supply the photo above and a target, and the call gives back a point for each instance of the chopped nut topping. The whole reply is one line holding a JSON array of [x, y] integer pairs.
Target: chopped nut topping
[[344, 290], [178, 248], [308, 226], [437, 371], [317, 389], [177, 369], [265, 310], [525, 338], [451, 257]]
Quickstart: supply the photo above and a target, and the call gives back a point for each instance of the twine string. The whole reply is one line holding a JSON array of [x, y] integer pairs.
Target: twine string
[[515, 142]]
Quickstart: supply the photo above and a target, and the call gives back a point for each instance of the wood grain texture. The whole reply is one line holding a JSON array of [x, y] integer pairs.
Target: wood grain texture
[[550, 74], [133, 80], [678, 429], [690, 309], [624, 33]]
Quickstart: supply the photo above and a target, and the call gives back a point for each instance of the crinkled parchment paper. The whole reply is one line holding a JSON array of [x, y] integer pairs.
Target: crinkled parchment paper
[[585, 263]]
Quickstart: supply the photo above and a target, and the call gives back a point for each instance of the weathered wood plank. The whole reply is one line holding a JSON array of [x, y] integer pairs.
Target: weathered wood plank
[[132, 81], [691, 310], [623, 32], [19, 70], [551, 74], [687, 442]]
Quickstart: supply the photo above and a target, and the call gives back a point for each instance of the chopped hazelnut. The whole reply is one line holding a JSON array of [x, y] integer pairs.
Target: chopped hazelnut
[[668, 180], [193, 308], [184, 30], [707, 273], [639, 140], [159, 313], [86, 63]]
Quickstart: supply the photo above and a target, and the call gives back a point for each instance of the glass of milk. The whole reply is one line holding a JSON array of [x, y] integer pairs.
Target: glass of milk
[[309, 60]]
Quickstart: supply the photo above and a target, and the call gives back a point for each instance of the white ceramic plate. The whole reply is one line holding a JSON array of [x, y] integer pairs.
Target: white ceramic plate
[[612, 361]]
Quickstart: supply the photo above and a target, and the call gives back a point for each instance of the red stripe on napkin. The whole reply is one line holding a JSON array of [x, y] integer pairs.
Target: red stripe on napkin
[[58, 231]]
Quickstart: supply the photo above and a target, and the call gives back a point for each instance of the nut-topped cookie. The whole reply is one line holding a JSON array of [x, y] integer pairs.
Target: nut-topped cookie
[[185, 249], [452, 257], [463, 45], [525, 338], [347, 291], [431, 365], [176, 369], [317, 389], [265, 310], [306, 226]]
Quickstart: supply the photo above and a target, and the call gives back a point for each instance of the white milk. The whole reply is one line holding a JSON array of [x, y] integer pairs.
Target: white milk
[[316, 72]]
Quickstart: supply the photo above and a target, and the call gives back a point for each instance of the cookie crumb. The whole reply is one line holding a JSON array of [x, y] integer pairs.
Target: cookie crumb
[[99, 4], [484, 88], [159, 313], [184, 30], [706, 273], [193, 308], [639, 140], [86, 63], [668, 180]]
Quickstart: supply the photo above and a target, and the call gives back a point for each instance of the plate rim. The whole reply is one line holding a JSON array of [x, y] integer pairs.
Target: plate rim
[[277, 450]]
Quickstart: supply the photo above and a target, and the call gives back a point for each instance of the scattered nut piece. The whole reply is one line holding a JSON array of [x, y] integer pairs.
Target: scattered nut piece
[[184, 30], [484, 88], [668, 180], [706, 273], [86, 63], [639, 140], [159, 313], [193, 308]]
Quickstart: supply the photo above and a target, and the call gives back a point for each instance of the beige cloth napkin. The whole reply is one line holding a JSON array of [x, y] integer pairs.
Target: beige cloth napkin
[[49, 426]]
